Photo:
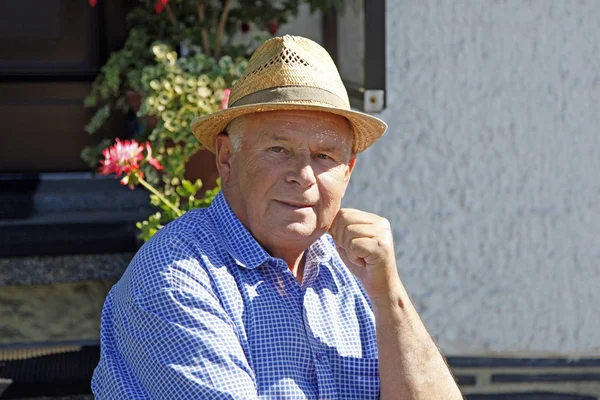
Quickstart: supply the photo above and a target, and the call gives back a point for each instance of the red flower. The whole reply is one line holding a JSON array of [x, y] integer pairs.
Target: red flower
[[124, 158], [273, 27], [225, 101], [245, 27], [152, 161], [121, 158], [159, 6], [93, 3]]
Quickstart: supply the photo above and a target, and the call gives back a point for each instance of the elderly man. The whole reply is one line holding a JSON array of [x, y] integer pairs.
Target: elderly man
[[273, 291]]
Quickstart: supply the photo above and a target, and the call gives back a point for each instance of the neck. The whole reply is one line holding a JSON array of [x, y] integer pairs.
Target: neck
[[294, 260], [292, 255]]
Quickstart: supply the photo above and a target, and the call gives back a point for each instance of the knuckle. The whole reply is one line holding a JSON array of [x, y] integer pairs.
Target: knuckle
[[384, 224], [386, 245], [356, 246], [347, 229]]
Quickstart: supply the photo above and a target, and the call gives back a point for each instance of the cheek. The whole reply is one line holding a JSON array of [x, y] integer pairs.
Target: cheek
[[333, 185], [257, 178]]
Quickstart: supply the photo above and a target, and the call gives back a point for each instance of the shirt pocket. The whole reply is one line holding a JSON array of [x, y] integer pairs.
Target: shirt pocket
[[355, 377]]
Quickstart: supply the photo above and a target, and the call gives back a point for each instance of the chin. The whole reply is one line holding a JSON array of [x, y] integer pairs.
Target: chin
[[298, 232]]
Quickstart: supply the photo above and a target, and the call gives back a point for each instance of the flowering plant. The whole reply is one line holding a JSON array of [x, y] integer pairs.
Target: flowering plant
[[126, 158], [177, 89], [212, 28], [181, 57]]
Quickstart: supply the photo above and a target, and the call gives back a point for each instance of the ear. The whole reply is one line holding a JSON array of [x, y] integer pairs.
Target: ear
[[349, 170], [351, 165], [224, 152]]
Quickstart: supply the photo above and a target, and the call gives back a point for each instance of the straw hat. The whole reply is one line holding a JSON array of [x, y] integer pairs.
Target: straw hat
[[289, 73]]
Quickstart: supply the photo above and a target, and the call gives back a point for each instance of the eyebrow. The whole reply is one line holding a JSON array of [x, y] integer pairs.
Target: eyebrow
[[331, 149], [279, 138]]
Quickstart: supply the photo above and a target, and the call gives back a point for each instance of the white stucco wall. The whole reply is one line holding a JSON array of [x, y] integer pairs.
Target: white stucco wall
[[490, 171], [305, 24]]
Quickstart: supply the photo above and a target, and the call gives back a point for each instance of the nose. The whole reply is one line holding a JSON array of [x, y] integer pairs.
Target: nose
[[301, 171]]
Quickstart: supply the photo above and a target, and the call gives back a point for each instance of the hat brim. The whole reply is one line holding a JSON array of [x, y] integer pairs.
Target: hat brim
[[366, 128]]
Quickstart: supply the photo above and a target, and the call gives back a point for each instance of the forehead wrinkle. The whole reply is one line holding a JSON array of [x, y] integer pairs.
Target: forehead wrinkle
[[330, 140], [279, 127], [327, 140], [279, 138], [268, 135]]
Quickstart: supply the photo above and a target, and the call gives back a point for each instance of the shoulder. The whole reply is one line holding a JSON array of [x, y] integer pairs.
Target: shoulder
[[175, 257]]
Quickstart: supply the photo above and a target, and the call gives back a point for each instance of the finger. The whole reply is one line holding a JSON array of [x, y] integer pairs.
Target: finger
[[352, 215], [366, 249], [350, 211], [348, 216], [343, 254], [353, 231], [355, 260], [350, 259], [345, 228]]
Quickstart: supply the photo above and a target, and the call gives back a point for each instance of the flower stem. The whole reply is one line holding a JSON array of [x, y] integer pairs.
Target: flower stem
[[160, 196]]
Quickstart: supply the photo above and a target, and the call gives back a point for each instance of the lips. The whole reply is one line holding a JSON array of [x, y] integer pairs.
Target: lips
[[295, 204]]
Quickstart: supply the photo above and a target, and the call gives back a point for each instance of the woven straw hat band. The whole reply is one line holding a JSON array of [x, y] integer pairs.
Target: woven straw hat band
[[289, 94]]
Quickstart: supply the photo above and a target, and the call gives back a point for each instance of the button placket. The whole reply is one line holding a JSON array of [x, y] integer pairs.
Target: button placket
[[325, 381], [327, 388]]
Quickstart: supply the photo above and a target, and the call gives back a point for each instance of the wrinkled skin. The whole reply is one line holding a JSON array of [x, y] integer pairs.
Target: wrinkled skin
[[287, 181]]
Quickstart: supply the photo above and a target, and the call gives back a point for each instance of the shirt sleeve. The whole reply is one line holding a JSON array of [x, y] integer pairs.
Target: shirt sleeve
[[173, 341]]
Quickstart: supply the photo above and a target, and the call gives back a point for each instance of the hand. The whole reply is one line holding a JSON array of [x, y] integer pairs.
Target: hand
[[365, 244]]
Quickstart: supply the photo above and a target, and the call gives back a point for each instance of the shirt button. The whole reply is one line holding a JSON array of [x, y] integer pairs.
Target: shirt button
[[319, 357]]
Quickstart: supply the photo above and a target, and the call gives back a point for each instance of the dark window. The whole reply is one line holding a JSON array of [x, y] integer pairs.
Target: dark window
[[50, 52], [356, 41]]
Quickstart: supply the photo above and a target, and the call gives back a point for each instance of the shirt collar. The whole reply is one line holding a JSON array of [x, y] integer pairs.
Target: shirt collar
[[318, 252], [242, 246]]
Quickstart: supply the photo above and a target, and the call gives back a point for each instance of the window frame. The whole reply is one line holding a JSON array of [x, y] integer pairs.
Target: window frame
[[370, 96]]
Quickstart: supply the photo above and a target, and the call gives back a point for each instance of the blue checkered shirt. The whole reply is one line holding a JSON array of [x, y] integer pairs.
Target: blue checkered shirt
[[204, 312]]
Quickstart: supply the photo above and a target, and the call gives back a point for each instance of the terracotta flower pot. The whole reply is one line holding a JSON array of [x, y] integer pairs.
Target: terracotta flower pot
[[202, 165]]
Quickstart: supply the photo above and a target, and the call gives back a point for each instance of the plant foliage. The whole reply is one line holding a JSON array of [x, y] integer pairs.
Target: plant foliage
[[180, 57]]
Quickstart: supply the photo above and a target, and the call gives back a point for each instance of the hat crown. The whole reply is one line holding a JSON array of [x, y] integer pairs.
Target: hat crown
[[290, 61]]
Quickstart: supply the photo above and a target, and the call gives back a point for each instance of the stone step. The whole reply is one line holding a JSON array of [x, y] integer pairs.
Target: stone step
[[68, 213]]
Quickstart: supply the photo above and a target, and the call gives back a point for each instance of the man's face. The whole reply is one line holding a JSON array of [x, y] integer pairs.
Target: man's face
[[288, 179]]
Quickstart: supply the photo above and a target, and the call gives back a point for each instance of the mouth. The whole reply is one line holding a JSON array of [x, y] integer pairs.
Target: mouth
[[295, 205]]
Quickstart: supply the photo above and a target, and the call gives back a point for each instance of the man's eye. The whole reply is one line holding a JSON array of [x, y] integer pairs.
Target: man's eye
[[323, 156], [277, 149]]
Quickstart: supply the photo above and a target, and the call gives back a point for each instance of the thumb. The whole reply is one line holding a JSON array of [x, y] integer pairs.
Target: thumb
[[334, 223], [349, 260]]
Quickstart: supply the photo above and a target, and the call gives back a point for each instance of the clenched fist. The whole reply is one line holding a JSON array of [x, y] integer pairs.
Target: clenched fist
[[410, 365], [365, 244]]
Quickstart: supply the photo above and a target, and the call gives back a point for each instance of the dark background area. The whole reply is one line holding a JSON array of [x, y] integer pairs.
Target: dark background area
[[50, 53]]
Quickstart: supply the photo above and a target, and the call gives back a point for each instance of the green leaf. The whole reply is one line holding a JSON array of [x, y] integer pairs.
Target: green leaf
[[149, 227], [181, 191], [98, 119], [190, 188]]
